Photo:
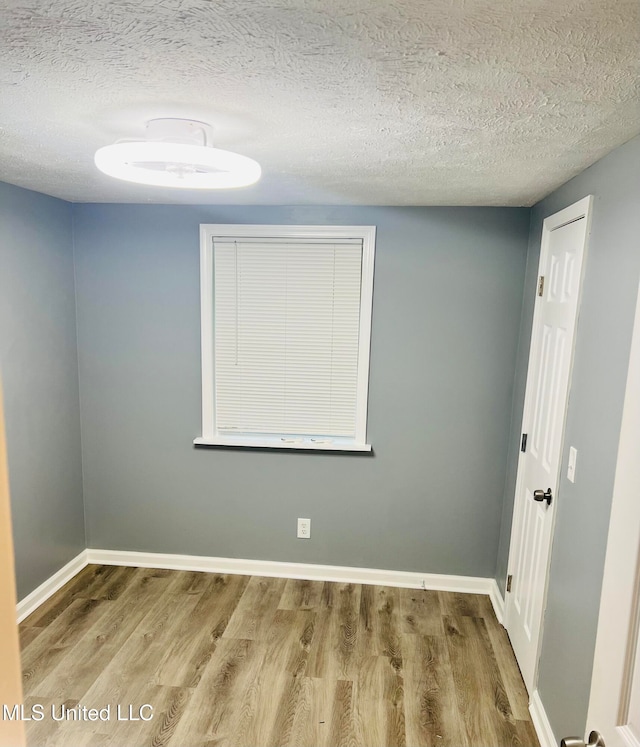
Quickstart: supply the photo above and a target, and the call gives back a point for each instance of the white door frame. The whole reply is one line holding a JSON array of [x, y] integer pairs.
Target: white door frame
[[616, 677], [580, 209]]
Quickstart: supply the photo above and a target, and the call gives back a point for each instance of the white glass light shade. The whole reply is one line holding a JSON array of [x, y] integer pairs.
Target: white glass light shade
[[165, 164]]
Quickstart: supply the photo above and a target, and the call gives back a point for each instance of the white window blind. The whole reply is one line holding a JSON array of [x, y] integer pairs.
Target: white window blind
[[287, 327], [286, 331]]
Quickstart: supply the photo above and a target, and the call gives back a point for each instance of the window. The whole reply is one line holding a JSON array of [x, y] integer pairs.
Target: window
[[286, 327]]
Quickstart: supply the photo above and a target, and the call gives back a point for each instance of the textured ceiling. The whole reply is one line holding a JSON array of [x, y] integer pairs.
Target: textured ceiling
[[398, 102]]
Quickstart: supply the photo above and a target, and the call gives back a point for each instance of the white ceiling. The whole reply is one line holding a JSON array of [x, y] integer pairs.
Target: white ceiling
[[398, 102]]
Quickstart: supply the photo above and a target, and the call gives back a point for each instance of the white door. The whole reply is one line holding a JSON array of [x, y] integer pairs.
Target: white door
[[614, 704], [563, 243]]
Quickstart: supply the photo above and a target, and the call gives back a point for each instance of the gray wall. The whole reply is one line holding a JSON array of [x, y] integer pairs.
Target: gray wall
[[447, 301], [593, 425], [38, 365]]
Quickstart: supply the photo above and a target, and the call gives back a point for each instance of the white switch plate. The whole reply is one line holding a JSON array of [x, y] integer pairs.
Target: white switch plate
[[304, 528], [571, 469]]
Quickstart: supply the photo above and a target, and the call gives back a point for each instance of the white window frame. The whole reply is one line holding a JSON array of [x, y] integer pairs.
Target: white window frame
[[211, 231]]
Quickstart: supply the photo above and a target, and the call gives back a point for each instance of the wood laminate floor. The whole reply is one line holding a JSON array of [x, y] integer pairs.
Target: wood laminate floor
[[250, 661]]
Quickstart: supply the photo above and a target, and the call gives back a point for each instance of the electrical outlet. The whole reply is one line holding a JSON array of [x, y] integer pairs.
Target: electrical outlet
[[304, 528], [571, 468]]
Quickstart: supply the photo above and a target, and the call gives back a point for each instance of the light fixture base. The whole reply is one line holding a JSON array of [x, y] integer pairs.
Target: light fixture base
[[172, 130]]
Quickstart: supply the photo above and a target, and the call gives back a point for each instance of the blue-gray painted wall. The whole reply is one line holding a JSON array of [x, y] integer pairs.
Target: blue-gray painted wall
[[593, 425], [39, 371], [447, 302]]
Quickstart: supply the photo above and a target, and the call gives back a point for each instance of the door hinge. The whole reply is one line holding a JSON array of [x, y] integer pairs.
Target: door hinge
[[523, 442], [541, 285], [509, 582]]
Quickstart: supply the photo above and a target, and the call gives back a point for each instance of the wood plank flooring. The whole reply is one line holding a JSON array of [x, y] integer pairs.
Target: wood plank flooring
[[251, 662]]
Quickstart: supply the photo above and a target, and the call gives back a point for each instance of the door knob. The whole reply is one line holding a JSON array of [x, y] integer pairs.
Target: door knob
[[595, 740], [540, 495]]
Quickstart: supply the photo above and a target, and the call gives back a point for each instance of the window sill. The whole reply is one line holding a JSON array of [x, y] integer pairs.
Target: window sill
[[304, 444]]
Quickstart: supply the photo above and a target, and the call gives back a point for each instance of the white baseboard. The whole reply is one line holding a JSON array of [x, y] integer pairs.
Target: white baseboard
[[272, 568], [307, 571], [497, 600], [546, 737], [32, 601]]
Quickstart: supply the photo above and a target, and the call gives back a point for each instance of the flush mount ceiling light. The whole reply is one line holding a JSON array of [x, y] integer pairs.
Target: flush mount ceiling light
[[177, 153]]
